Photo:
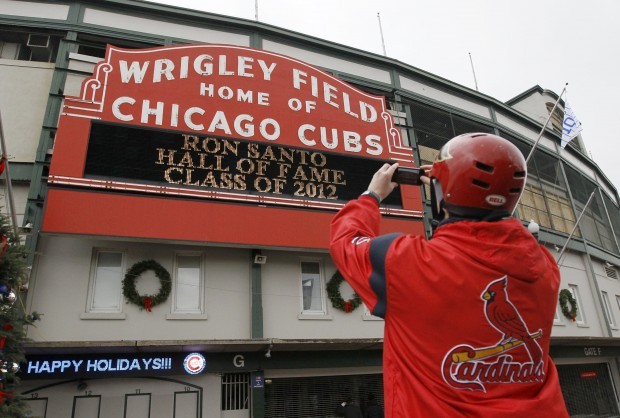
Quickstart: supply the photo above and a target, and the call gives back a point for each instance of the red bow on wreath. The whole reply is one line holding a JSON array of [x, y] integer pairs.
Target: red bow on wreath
[[6, 327], [147, 304], [3, 394], [3, 245], [347, 306]]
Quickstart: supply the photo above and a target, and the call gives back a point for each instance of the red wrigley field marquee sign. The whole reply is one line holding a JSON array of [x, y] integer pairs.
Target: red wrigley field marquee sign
[[221, 144]]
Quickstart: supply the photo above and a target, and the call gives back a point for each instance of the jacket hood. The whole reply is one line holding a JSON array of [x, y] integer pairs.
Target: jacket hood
[[504, 245]]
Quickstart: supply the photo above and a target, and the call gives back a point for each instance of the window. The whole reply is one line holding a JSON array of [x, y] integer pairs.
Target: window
[[614, 216], [105, 295], [595, 225], [188, 288], [399, 114], [557, 118], [580, 317], [235, 391], [610, 271], [24, 45], [532, 204], [433, 127], [312, 288], [608, 313], [545, 196], [95, 45]]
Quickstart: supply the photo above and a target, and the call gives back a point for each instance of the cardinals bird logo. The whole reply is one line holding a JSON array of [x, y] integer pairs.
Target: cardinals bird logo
[[505, 318], [463, 366]]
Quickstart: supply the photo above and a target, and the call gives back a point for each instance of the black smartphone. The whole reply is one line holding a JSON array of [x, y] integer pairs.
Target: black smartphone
[[405, 175]]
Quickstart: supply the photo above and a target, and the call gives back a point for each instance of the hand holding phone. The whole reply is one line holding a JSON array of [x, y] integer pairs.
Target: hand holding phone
[[407, 175]]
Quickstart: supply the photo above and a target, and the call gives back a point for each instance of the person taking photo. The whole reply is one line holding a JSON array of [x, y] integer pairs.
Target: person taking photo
[[468, 313]]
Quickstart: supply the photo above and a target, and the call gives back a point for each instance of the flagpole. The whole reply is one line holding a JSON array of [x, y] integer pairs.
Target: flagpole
[[473, 71], [575, 227], [381, 31], [256, 10], [9, 186], [542, 131]]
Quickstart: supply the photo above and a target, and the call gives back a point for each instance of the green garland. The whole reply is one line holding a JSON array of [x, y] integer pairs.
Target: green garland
[[333, 293], [566, 297], [146, 301]]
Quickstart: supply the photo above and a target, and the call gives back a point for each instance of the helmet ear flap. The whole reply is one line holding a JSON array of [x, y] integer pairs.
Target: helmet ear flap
[[437, 201]]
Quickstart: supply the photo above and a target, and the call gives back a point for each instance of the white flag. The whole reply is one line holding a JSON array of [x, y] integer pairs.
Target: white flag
[[570, 126]]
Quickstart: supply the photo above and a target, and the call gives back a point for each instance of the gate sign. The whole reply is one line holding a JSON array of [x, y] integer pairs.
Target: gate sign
[[225, 124]]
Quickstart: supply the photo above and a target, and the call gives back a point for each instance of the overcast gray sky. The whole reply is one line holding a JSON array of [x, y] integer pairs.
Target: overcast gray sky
[[514, 46]]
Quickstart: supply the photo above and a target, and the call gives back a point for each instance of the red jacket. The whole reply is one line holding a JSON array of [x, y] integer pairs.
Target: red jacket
[[468, 314]]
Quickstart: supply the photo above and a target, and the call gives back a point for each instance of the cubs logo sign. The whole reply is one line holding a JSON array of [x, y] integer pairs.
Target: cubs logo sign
[[194, 363], [467, 367]]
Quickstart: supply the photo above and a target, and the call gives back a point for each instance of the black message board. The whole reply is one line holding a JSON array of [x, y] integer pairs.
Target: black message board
[[158, 157]]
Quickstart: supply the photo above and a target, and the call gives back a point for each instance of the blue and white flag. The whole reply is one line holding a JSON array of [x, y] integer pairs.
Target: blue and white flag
[[570, 126]]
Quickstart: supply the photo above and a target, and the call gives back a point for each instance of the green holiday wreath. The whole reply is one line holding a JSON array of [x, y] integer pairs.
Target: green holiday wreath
[[566, 298], [338, 302], [146, 301]]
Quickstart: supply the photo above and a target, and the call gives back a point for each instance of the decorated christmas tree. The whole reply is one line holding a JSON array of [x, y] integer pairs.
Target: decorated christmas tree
[[13, 319]]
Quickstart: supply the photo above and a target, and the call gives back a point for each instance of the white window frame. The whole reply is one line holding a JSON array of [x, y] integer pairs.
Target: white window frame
[[580, 319], [607, 305], [557, 319], [194, 314], [90, 311], [368, 316], [618, 301], [314, 314]]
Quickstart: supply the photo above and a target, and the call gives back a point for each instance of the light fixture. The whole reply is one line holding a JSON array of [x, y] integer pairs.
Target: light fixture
[[556, 248], [27, 228], [268, 352], [608, 264], [82, 385], [260, 259]]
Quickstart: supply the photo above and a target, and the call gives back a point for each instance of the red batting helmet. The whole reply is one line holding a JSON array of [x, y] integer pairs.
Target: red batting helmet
[[477, 174]]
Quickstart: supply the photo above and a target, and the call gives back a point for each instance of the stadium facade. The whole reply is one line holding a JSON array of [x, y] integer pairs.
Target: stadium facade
[[174, 173]]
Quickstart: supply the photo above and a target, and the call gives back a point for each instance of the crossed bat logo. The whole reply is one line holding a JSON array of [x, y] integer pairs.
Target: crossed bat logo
[[464, 367]]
